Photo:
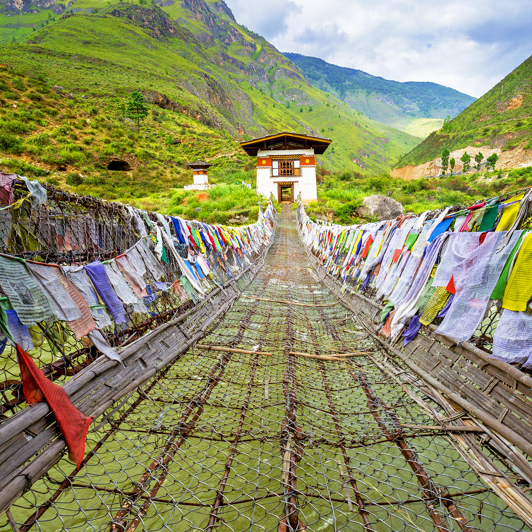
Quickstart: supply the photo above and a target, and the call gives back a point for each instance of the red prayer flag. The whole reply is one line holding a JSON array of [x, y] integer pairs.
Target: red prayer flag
[[450, 287], [72, 423], [367, 246], [397, 254]]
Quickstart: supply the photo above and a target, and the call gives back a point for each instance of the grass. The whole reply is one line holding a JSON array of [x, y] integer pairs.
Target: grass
[[340, 194], [224, 204], [237, 86], [46, 131], [423, 127]]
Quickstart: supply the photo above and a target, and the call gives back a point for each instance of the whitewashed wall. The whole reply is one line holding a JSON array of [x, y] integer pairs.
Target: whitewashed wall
[[304, 184]]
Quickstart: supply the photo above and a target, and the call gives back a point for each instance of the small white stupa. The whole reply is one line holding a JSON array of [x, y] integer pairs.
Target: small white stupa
[[201, 178]]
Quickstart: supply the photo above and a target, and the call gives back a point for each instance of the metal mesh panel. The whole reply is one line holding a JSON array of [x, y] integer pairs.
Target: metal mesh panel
[[228, 441], [73, 230]]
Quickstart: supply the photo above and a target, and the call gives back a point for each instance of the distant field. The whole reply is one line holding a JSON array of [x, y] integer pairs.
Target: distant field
[[16, 28], [423, 127]]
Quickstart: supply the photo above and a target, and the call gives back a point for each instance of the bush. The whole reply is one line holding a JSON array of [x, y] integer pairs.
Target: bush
[[379, 183], [17, 84], [42, 139], [71, 157], [10, 143], [74, 179], [346, 212], [15, 126], [22, 168], [34, 96]]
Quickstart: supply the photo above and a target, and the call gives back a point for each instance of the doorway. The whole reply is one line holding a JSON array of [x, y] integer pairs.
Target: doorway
[[285, 192]]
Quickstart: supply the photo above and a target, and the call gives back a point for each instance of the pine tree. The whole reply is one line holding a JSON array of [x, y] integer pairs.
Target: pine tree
[[466, 159], [452, 164], [478, 160], [491, 161], [136, 108], [445, 160]]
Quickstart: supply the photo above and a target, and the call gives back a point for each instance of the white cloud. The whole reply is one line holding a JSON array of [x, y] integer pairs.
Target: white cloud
[[469, 45]]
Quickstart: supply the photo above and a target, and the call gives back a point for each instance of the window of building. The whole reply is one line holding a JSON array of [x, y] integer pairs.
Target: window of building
[[286, 168]]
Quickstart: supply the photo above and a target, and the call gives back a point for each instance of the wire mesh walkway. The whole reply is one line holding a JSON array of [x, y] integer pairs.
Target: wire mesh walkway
[[275, 439]]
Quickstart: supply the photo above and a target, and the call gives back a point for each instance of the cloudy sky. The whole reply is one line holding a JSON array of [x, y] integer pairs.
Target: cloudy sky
[[468, 45]]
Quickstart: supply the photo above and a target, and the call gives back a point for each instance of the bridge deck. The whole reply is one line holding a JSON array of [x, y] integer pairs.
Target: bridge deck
[[229, 441]]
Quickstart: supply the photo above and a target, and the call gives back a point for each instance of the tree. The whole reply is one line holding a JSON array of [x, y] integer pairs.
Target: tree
[[491, 161], [446, 123], [478, 160], [445, 160], [452, 163], [136, 108], [466, 159]]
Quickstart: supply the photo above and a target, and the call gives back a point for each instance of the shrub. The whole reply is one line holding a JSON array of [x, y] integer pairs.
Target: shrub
[[15, 126], [10, 143], [346, 212], [379, 183], [42, 139], [34, 96], [71, 157], [74, 179], [18, 84]]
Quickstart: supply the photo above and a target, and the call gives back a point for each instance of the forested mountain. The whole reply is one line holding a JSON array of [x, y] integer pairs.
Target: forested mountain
[[412, 106], [210, 83], [502, 118]]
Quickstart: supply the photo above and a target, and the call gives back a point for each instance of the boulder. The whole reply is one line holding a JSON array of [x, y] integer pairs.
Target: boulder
[[381, 206]]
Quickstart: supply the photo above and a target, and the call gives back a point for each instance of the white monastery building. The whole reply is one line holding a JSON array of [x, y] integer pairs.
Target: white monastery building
[[286, 165], [201, 176]]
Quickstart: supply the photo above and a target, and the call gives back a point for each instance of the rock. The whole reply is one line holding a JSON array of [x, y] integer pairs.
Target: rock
[[58, 89], [61, 117], [70, 96], [381, 206], [175, 140], [237, 220]]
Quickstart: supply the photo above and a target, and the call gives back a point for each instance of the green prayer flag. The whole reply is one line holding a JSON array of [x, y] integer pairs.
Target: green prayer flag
[[4, 327], [386, 310], [488, 221], [411, 239], [498, 291]]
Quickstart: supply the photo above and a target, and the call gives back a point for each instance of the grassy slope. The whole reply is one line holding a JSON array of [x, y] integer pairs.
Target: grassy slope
[[339, 194], [390, 102], [237, 80], [501, 118], [46, 131]]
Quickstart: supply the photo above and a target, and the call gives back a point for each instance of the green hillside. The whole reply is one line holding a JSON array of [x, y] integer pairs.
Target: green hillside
[[210, 82], [502, 118], [418, 108]]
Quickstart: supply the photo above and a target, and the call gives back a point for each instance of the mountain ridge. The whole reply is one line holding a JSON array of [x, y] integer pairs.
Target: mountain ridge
[[501, 119], [209, 82], [404, 101]]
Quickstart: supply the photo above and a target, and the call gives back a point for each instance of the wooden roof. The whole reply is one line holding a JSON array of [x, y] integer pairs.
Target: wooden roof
[[286, 141], [199, 164]]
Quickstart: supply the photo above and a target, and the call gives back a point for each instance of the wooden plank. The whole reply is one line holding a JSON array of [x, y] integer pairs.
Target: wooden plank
[[477, 376], [285, 302], [232, 350], [335, 355], [447, 428]]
